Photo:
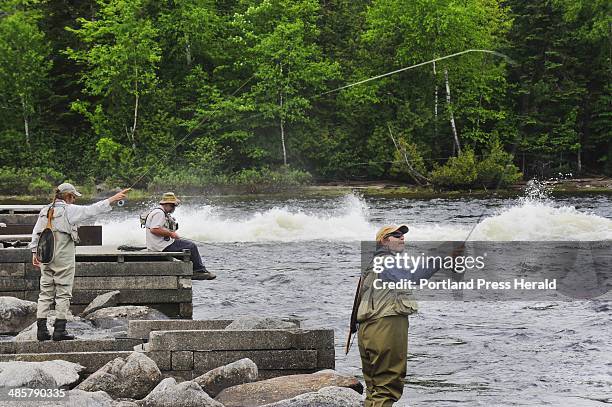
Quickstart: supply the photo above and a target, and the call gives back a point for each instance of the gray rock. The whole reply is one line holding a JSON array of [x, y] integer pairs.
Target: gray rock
[[283, 388], [326, 397], [247, 323], [232, 374], [125, 403], [80, 398], [120, 316], [132, 378], [105, 300], [16, 314], [185, 394], [48, 375], [80, 328]]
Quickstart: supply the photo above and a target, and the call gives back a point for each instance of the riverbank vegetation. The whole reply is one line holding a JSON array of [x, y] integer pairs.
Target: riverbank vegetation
[[196, 94]]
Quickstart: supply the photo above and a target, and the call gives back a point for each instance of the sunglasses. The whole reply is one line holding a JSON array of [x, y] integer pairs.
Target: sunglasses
[[396, 234]]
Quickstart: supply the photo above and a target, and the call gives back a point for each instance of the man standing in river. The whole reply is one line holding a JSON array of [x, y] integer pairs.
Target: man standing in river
[[382, 317]]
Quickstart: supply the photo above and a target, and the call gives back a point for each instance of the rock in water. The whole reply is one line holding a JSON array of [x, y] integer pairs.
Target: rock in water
[[285, 387], [133, 377], [80, 398], [105, 300], [185, 394], [48, 375], [261, 323], [232, 374], [15, 314], [120, 316], [326, 397]]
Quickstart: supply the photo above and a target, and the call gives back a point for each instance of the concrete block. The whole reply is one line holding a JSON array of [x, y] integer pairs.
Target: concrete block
[[184, 283], [126, 283], [163, 359], [326, 358], [241, 340], [17, 284], [12, 270], [141, 329], [135, 268], [264, 359], [182, 360], [98, 345], [135, 297], [15, 255], [186, 310], [92, 361], [16, 294]]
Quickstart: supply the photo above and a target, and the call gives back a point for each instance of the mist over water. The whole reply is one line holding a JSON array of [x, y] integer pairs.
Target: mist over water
[[300, 257]]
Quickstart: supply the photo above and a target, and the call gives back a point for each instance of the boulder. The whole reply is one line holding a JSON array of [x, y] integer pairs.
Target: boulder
[[80, 398], [133, 377], [284, 387], [81, 328], [247, 323], [185, 394], [105, 300], [326, 397], [120, 316], [50, 374], [15, 314], [125, 403], [235, 373]]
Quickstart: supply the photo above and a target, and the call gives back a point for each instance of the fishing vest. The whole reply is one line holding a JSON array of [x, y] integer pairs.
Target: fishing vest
[[170, 223], [60, 222]]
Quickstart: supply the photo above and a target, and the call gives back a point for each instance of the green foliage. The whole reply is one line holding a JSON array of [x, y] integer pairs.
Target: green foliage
[[458, 172], [194, 92], [35, 180]]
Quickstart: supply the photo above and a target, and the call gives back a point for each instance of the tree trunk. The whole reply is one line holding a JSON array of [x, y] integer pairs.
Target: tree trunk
[[451, 114], [282, 122], [136, 102], [435, 102], [26, 122], [414, 174]]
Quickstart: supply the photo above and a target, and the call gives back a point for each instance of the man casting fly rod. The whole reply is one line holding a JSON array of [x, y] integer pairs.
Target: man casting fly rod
[[53, 240]]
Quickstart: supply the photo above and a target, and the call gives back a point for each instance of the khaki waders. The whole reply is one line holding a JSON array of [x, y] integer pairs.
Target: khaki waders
[[57, 279], [383, 346]]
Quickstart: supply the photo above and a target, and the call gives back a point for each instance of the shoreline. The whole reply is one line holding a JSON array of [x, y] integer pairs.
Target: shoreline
[[578, 186]]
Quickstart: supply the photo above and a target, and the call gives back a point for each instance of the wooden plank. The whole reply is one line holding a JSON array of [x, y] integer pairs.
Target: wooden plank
[[126, 283]]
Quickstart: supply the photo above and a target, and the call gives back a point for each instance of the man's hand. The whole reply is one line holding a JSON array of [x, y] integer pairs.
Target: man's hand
[[119, 195], [174, 235], [35, 261]]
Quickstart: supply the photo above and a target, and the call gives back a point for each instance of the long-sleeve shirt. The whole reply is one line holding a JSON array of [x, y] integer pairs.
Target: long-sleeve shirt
[[67, 218]]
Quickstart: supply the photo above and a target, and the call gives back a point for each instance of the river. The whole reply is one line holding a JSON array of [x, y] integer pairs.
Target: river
[[299, 257]]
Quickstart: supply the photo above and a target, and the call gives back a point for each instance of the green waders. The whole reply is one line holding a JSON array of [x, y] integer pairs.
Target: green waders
[[57, 279], [383, 346]]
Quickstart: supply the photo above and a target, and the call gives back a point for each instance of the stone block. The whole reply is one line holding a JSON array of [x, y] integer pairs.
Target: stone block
[[184, 283], [326, 358], [126, 283], [186, 310], [141, 329], [98, 345], [264, 359], [91, 360], [12, 270], [135, 268], [241, 340], [163, 359], [182, 360], [15, 255]]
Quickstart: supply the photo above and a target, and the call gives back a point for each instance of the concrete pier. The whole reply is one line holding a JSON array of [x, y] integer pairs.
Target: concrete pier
[[158, 280], [191, 348]]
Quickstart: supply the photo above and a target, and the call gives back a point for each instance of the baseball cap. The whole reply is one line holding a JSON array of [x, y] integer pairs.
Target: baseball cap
[[67, 187]]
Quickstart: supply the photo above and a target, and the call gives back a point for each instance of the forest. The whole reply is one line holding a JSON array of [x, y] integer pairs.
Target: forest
[[188, 94]]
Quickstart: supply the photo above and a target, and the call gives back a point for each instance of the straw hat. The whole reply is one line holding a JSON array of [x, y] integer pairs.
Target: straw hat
[[169, 198]]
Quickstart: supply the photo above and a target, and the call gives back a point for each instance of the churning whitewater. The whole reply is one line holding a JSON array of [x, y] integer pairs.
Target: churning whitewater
[[352, 218]]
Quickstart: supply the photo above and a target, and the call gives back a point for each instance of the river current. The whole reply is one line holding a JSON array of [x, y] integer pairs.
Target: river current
[[300, 257]]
